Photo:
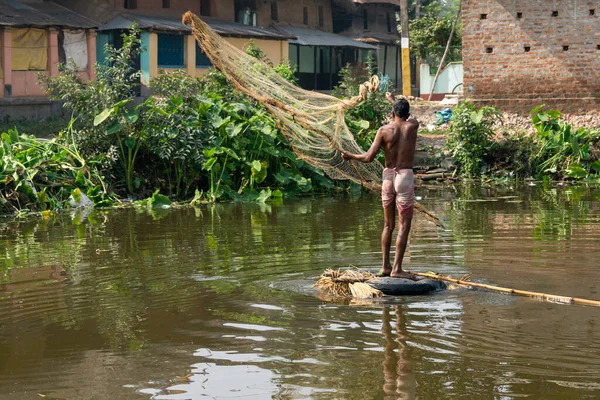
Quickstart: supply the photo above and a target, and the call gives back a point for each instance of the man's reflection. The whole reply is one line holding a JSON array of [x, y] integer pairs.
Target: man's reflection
[[398, 380]]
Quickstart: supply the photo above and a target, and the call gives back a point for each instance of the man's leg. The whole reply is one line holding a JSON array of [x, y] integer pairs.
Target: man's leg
[[401, 242], [389, 219]]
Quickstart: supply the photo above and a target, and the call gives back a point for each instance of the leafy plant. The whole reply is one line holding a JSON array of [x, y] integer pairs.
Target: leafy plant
[[38, 175], [116, 81], [470, 136], [177, 131], [563, 149], [125, 126]]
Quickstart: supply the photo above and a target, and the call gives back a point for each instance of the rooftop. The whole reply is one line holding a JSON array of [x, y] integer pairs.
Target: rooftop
[[314, 37], [42, 14], [174, 25], [392, 2]]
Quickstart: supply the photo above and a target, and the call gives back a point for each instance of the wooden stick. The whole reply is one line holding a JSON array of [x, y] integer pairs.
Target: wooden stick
[[543, 296]]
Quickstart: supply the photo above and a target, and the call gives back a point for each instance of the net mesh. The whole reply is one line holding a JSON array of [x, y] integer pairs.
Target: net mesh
[[312, 122]]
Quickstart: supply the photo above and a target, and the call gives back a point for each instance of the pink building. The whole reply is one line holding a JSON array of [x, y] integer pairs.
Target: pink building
[[36, 37]]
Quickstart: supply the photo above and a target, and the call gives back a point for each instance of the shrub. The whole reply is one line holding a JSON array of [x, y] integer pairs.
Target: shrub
[[470, 136]]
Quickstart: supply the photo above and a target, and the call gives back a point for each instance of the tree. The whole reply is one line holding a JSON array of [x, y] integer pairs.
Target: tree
[[430, 33]]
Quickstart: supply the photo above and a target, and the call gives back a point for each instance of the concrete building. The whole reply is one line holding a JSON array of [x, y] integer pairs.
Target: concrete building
[[168, 44], [519, 54], [36, 36], [317, 52], [374, 22]]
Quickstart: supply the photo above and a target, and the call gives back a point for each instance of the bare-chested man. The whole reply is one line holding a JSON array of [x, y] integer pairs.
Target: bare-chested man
[[398, 140]]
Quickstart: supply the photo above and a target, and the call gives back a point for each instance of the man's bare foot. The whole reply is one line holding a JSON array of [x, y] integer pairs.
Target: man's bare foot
[[384, 272], [406, 275]]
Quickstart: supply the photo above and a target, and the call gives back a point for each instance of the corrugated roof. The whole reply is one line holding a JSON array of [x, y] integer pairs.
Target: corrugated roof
[[164, 24], [314, 37], [43, 14]]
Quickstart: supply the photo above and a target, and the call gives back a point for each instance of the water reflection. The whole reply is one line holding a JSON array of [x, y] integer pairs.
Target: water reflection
[[218, 302]]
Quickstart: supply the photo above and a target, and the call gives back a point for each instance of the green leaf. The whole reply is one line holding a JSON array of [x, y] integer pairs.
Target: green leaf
[[596, 166], [260, 174], [363, 124], [80, 179], [233, 130], [210, 163], [576, 171], [76, 193], [282, 177], [255, 165], [115, 127], [103, 116], [230, 152], [132, 116], [277, 194], [264, 195], [120, 104], [160, 201], [130, 143]]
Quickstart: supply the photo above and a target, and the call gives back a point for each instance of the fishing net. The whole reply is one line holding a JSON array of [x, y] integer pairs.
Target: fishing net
[[313, 123]]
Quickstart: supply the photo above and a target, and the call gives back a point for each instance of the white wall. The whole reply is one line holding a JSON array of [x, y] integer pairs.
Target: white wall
[[451, 76]]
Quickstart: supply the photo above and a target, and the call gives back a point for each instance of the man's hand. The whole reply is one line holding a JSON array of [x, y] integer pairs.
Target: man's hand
[[390, 97], [346, 156]]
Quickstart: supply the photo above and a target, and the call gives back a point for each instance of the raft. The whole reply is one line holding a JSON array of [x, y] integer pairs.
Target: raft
[[406, 287]]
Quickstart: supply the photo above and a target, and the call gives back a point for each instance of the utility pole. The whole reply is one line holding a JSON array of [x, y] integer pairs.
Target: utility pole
[[404, 42]]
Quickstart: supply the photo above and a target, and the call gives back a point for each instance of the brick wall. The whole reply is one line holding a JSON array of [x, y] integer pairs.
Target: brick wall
[[519, 54]]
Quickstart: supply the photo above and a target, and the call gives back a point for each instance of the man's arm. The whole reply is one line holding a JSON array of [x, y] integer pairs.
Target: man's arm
[[390, 97], [371, 153]]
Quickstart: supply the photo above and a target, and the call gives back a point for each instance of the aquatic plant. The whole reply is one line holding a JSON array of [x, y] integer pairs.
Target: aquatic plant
[[564, 149], [39, 175]]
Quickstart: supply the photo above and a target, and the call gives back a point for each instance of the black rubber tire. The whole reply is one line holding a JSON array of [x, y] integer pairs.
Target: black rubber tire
[[406, 287]]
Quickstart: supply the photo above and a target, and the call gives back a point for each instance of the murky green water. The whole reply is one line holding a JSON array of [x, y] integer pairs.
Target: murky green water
[[216, 302]]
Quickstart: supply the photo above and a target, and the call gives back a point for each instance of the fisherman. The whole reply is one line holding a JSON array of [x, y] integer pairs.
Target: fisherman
[[398, 140]]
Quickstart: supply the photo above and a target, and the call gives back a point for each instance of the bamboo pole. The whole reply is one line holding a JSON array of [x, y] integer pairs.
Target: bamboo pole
[[543, 296]]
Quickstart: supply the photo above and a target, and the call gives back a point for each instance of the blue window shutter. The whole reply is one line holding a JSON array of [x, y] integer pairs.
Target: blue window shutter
[[202, 60], [170, 51]]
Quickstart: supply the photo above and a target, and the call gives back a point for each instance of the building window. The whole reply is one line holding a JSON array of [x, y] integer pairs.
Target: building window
[[170, 51], [321, 17], [365, 20], [202, 61], [166, 3], [274, 13], [130, 4], [305, 15], [388, 19], [205, 8], [245, 12]]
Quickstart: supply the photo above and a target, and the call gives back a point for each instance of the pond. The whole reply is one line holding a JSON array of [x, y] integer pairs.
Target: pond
[[216, 302]]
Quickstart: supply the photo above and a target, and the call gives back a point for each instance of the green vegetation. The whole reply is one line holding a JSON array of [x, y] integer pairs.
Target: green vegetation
[[563, 149], [195, 139], [365, 119], [429, 34], [42, 175], [557, 151], [470, 136]]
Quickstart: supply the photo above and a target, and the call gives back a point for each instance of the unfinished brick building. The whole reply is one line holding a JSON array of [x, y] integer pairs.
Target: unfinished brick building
[[519, 54]]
